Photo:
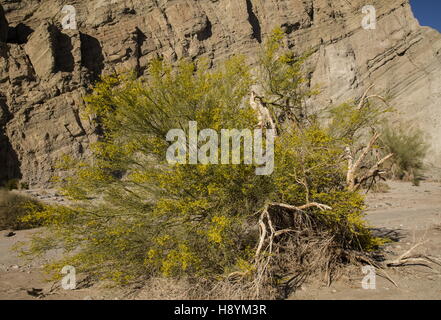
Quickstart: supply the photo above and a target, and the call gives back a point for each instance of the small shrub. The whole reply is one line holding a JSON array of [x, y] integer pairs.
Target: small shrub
[[409, 149], [380, 187], [12, 184], [13, 207], [24, 186]]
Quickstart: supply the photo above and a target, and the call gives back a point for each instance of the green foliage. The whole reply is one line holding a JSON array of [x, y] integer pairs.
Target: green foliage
[[409, 148], [350, 121], [24, 186], [357, 125], [13, 207], [310, 169], [281, 75], [135, 216]]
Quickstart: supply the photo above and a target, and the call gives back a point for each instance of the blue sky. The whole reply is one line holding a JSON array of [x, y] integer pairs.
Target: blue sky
[[428, 12]]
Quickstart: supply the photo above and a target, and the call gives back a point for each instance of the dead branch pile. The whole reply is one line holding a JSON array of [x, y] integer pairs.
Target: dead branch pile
[[409, 258], [294, 244]]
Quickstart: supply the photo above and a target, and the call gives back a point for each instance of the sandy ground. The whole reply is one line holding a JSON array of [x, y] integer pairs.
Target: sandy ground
[[409, 215], [406, 213], [23, 279]]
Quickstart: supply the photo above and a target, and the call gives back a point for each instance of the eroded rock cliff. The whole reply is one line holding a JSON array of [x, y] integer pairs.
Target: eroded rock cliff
[[45, 70]]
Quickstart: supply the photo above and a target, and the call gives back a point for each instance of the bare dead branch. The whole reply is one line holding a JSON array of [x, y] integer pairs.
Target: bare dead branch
[[373, 173], [320, 206], [363, 98], [408, 258]]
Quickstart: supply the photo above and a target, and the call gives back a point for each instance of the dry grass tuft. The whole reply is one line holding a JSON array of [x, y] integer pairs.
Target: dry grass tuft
[[13, 206], [380, 187]]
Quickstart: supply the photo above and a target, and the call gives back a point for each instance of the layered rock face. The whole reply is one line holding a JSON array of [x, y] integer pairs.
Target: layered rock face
[[46, 68]]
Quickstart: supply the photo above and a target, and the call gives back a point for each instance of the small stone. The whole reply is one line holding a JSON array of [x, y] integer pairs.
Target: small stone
[[35, 292], [10, 234]]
